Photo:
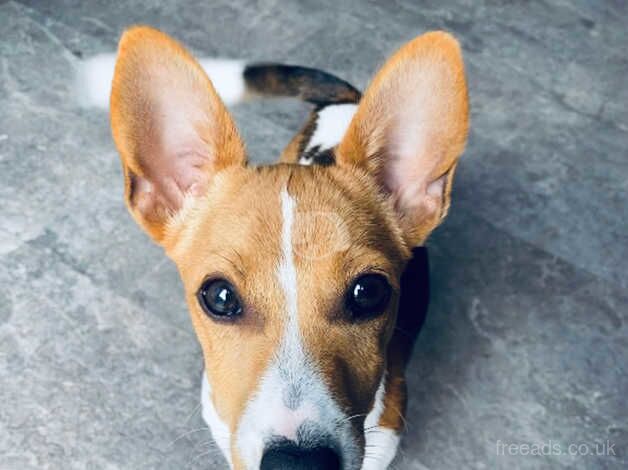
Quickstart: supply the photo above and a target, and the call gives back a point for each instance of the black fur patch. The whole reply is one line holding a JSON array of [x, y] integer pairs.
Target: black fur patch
[[311, 85], [317, 157]]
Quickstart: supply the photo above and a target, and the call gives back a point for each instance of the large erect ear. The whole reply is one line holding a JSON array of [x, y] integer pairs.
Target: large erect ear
[[411, 127], [172, 130]]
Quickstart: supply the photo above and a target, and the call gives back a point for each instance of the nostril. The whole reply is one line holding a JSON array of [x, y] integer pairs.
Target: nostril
[[289, 456]]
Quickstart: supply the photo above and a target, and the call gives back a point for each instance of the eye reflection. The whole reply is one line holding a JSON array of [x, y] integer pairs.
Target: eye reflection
[[368, 295], [219, 298]]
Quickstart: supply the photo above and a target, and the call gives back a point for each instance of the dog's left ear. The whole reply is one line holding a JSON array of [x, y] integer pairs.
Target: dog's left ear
[[172, 130], [410, 128]]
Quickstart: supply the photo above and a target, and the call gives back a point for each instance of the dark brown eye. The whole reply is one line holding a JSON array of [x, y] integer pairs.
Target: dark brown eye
[[219, 298], [368, 295]]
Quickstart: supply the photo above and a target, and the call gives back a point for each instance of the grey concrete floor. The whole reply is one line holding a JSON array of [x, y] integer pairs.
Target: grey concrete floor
[[526, 341]]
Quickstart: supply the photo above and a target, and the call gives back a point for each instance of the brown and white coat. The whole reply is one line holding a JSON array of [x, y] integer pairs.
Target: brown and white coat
[[366, 180]]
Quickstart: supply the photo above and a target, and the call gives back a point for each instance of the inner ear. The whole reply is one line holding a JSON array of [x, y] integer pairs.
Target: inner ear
[[172, 130], [410, 128], [423, 209]]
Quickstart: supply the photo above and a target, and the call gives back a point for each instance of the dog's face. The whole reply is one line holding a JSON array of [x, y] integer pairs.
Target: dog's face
[[294, 350], [291, 273]]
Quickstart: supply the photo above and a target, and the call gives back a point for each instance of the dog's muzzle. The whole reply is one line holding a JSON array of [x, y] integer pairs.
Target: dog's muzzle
[[287, 455]]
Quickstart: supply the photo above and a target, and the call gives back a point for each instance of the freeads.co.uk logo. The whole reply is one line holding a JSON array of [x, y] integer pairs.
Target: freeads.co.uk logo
[[555, 448]]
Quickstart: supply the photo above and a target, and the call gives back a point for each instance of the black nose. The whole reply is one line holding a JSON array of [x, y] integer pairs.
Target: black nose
[[288, 456]]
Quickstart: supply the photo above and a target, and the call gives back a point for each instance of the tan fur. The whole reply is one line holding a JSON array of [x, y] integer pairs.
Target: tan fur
[[217, 217], [290, 153], [351, 356], [245, 252], [432, 66], [395, 399], [153, 76], [294, 149]]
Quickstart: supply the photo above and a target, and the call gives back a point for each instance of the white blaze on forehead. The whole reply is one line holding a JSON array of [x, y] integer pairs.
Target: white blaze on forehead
[[291, 393], [287, 269]]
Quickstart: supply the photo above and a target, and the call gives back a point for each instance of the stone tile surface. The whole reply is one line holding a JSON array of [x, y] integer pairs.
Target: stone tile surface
[[526, 338]]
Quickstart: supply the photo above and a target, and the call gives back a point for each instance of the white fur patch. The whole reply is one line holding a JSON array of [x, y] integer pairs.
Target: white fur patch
[[373, 417], [291, 392], [331, 125], [381, 448], [94, 76], [93, 80], [227, 77], [220, 431], [381, 443], [287, 270]]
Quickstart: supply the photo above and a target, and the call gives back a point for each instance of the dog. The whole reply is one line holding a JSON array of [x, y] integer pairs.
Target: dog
[[292, 272]]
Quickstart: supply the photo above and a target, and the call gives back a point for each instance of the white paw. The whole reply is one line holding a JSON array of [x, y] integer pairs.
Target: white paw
[[381, 448], [220, 431]]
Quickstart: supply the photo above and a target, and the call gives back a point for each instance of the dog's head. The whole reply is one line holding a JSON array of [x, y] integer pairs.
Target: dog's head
[[291, 273]]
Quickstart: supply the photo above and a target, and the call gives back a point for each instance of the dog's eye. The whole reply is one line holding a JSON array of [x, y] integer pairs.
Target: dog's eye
[[368, 295], [219, 298]]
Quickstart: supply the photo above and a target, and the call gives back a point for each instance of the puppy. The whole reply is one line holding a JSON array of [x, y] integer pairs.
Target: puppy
[[292, 272]]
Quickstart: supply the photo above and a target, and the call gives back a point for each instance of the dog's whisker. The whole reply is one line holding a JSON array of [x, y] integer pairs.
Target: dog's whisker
[[349, 418], [184, 434], [211, 450], [402, 417], [194, 411], [204, 444]]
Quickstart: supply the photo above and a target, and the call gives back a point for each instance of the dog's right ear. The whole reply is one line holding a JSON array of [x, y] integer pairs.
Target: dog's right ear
[[172, 130]]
